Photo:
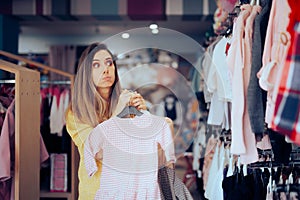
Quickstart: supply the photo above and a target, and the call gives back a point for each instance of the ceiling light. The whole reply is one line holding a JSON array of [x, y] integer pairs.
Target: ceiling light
[[174, 64], [153, 26], [155, 31], [125, 35]]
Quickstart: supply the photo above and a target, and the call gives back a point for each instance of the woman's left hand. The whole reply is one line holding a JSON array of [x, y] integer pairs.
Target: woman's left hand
[[138, 101]]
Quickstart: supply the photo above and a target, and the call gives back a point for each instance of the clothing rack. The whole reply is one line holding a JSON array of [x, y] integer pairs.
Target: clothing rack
[[27, 131], [42, 82], [56, 82], [272, 164], [8, 81], [73, 194]]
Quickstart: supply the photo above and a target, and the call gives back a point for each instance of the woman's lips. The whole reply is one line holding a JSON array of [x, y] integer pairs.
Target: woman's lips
[[106, 78]]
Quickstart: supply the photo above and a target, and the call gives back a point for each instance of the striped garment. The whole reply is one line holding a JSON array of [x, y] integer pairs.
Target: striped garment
[[286, 117]]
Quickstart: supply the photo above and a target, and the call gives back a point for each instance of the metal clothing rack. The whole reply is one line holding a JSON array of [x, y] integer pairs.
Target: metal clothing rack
[[8, 81], [56, 82], [42, 82]]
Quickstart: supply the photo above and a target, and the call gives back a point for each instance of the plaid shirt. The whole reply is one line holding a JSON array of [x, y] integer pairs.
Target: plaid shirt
[[286, 117]]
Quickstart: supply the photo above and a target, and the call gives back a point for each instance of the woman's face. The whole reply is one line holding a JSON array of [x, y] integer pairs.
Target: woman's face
[[103, 69]]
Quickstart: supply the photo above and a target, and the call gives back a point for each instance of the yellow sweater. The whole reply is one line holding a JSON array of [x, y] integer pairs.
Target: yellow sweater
[[79, 132]]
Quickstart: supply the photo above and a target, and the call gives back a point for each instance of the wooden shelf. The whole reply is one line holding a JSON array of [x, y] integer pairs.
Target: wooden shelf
[[47, 194]]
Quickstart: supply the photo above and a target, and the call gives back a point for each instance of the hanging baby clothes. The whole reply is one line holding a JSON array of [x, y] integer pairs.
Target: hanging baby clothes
[[274, 54], [243, 140], [205, 65], [255, 95], [130, 157], [59, 106]]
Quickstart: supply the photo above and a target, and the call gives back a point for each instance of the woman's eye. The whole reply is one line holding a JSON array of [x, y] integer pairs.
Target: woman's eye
[[109, 63], [96, 65]]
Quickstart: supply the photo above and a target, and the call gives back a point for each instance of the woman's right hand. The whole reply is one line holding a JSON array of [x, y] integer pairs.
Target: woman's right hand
[[138, 101], [123, 101]]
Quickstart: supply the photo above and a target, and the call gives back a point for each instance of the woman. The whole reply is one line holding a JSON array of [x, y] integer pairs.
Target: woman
[[95, 97]]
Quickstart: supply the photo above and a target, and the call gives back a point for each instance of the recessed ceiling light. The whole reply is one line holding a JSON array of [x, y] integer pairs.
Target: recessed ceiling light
[[153, 26], [125, 35], [155, 31], [174, 65]]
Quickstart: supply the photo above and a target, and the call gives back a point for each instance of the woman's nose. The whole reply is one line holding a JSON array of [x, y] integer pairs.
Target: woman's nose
[[105, 71]]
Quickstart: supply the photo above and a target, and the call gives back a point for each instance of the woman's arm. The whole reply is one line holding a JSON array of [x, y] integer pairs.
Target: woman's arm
[[76, 129]]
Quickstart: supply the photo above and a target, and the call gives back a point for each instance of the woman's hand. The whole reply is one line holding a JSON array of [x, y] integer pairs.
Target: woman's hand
[[123, 101], [99, 155], [129, 98], [138, 101]]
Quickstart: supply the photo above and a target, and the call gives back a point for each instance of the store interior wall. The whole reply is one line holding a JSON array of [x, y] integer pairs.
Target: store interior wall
[[41, 43]]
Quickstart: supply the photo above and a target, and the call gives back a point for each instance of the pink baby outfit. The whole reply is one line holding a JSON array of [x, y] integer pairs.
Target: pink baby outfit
[[130, 157], [243, 140], [275, 52]]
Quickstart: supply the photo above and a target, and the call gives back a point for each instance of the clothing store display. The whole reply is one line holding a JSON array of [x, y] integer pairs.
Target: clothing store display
[[54, 101], [60, 102], [238, 139]]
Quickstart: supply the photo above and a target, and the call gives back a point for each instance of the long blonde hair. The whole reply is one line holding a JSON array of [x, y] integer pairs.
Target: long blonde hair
[[87, 104]]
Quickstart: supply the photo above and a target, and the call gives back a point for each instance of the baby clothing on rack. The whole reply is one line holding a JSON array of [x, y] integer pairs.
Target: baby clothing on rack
[[130, 157]]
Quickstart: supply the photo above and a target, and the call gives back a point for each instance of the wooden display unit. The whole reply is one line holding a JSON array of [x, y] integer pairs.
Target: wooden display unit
[[25, 86], [27, 131]]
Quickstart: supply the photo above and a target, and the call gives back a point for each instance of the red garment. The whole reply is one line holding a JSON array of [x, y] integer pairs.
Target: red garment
[[286, 118], [287, 105], [294, 17]]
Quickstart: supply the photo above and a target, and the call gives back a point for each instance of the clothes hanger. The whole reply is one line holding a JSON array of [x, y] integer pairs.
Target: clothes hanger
[[129, 110]]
